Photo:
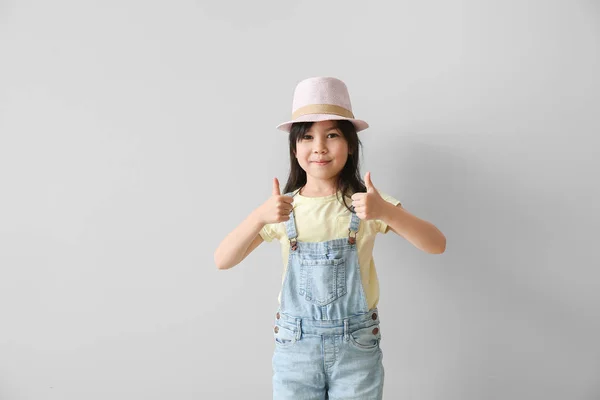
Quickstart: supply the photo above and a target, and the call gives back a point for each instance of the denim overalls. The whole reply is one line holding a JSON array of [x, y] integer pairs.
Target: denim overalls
[[326, 338]]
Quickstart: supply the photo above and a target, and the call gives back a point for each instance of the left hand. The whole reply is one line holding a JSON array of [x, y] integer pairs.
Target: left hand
[[368, 205]]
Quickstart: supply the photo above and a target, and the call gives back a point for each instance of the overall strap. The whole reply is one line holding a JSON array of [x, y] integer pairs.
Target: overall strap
[[290, 226], [353, 227]]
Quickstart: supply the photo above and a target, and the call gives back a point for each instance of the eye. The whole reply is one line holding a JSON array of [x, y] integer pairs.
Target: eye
[[308, 137]]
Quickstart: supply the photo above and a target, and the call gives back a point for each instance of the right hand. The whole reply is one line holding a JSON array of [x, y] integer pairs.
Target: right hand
[[277, 208]]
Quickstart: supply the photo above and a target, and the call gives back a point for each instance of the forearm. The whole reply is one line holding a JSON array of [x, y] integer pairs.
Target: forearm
[[420, 233], [232, 249]]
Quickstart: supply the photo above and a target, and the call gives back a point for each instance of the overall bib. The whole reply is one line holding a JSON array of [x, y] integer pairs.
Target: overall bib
[[326, 338]]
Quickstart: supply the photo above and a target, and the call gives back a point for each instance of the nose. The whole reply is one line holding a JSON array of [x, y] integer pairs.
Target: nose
[[319, 146]]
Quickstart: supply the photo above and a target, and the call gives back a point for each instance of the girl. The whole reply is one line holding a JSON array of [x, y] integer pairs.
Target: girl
[[326, 329]]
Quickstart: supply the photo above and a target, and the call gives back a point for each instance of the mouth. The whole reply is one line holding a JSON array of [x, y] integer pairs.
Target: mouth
[[321, 162]]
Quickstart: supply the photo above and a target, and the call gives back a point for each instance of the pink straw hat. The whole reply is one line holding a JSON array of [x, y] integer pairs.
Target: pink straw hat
[[320, 99]]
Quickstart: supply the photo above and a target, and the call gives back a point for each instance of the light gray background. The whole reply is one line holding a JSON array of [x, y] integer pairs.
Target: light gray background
[[135, 135]]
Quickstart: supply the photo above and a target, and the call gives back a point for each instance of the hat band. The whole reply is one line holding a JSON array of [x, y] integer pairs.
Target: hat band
[[322, 109]]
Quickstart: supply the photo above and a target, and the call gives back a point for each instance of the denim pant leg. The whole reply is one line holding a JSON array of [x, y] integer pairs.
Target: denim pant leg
[[358, 374], [298, 371]]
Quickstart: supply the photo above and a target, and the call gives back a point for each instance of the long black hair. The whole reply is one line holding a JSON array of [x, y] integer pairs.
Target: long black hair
[[349, 180]]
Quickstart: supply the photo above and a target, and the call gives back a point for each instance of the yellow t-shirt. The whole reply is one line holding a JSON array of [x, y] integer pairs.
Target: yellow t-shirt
[[319, 219]]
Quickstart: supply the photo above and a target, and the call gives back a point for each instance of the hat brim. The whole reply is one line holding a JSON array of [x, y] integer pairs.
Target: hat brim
[[358, 123]]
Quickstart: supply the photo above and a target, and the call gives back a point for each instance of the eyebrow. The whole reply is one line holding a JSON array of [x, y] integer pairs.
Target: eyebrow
[[326, 130]]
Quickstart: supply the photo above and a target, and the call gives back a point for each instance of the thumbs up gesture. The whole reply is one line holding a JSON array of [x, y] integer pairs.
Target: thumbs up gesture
[[368, 205], [277, 208]]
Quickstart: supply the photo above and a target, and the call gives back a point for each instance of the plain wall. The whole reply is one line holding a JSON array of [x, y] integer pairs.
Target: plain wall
[[134, 135]]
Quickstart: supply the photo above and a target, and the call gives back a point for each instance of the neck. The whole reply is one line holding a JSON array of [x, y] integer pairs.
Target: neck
[[318, 187]]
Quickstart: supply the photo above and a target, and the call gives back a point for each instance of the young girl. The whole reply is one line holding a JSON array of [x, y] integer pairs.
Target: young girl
[[326, 328]]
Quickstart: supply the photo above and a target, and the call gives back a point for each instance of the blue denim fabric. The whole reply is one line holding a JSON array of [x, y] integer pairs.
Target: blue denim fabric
[[326, 338]]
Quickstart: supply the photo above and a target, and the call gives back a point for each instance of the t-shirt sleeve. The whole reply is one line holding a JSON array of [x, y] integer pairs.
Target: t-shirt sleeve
[[382, 227], [269, 232]]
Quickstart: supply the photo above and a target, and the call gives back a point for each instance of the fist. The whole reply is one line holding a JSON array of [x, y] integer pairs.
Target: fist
[[368, 205], [277, 208]]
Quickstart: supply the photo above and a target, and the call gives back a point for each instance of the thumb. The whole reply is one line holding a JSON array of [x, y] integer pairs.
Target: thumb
[[276, 191], [368, 183]]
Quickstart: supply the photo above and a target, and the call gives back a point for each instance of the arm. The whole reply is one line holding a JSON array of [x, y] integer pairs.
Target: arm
[[240, 242], [245, 238], [420, 233]]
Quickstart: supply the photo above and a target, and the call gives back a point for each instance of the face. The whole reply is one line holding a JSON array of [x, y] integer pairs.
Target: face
[[323, 142]]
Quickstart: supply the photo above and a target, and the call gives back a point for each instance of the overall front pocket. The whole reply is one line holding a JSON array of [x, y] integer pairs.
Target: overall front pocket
[[284, 337], [366, 338], [322, 281]]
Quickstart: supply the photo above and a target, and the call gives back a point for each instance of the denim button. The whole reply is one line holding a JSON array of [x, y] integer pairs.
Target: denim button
[[276, 329], [277, 315], [374, 316], [375, 331]]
